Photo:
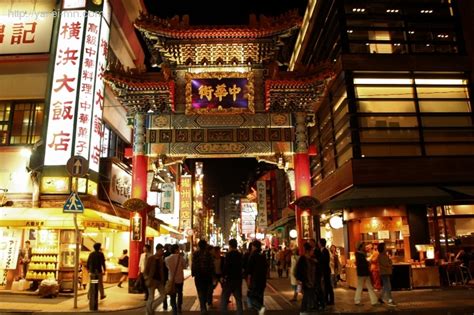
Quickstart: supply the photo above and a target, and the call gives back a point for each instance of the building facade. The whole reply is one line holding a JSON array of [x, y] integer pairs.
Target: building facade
[[394, 133]]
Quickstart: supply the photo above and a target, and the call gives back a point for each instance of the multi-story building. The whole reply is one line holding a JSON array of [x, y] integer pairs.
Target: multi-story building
[[395, 130], [34, 188], [229, 212]]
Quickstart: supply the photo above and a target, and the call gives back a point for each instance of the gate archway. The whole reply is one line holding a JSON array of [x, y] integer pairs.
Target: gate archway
[[220, 93]]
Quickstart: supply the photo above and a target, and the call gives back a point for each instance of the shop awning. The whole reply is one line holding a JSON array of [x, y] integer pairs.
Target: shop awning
[[55, 218], [166, 229], [379, 196]]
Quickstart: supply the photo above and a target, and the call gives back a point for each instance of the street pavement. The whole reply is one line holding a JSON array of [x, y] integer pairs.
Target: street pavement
[[455, 300]]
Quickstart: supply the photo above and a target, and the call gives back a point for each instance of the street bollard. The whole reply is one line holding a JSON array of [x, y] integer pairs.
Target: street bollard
[[94, 292]]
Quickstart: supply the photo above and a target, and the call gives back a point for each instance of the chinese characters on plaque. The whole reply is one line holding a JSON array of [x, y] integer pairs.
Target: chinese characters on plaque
[[137, 227], [185, 203], [306, 226], [215, 92]]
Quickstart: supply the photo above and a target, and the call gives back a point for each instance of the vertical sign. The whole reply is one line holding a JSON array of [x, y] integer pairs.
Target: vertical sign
[[306, 226], [62, 104], [136, 227], [86, 86], [185, 203], [262, 203], [167, 198], [97, 132], [248, 215]]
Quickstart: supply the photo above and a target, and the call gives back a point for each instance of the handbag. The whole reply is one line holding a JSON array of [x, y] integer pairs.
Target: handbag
[[170, 287]]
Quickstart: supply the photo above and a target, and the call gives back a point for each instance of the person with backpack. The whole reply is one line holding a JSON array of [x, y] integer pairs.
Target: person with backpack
[[155, 279], [232, 278], [175, 264], [202, 271], [305, 273]]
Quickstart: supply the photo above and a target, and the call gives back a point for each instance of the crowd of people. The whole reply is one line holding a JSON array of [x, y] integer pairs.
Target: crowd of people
[[315, 274]]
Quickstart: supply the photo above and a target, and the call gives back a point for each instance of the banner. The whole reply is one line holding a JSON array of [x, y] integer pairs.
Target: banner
[[185, 203], [262, 204], [248, 215]]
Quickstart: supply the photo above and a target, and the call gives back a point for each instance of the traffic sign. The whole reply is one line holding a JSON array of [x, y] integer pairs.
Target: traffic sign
[[77, 166], [73, 204]]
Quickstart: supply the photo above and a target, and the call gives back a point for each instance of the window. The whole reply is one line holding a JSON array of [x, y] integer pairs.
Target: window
[[21, 122], [436, 120]]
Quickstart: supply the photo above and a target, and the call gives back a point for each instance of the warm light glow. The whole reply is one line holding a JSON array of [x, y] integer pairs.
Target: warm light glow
[[336, 222], [323, 216], [302, 34], [440, 81], [293, 233], [25, 152], [382, 81]]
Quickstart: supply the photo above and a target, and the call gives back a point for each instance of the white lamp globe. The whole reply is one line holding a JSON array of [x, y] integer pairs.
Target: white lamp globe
[[336, 222], [293, 233]]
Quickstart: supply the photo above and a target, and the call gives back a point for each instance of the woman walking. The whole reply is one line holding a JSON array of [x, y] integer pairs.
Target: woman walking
[[385, 264], [123, 262], [293, 280]]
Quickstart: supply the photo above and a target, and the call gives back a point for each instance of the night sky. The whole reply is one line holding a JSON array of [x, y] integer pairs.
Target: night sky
[[218, 12]]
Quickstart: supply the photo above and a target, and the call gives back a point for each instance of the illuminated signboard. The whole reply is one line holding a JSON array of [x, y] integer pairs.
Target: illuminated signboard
[[80, 62], [86, 85], [248, 215], [185, 203], [212, 92], [97, 131], [262, 203], [64, 88], [26, 28], [167, 198], [120, 188]]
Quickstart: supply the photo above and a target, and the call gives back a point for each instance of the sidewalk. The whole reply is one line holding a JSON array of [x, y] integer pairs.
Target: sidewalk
[[428, 301], [27, 302]]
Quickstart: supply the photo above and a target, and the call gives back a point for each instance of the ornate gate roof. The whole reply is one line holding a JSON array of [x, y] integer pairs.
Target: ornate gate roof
[[175, 42]]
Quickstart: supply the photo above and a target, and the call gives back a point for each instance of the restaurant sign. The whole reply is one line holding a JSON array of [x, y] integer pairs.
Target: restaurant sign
[[26, 28]]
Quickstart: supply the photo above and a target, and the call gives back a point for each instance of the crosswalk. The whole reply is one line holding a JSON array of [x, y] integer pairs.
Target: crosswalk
[[272, 303]]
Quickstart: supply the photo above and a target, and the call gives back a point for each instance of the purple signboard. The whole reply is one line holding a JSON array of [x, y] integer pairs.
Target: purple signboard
[[219, 93]]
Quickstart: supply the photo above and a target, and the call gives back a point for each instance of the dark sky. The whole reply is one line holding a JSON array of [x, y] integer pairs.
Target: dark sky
[[218, 12], [225, 176]]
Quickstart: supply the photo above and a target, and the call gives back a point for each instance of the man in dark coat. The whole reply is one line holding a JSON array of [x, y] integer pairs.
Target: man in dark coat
[[305, 273], [232, 278], [256, 277], [202, 270], [326, 272], [96, 268]]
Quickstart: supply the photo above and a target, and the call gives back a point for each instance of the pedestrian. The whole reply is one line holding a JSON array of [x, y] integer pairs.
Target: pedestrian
[[232, 277], [25, 258], [166, 254], [374, 267], [97, 269], [175, 264], [280, 261], [141, 270], [363, 276], [293, 280], [335, 265], [202, 271], [319, 283], [218, 265], [123, 262], [326, 272], [256, 278], [155, 279], [385, 265], [305, 273]]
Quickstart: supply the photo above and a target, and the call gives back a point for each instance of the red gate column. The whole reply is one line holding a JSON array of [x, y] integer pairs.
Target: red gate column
[[139, 190], [302, 181]]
